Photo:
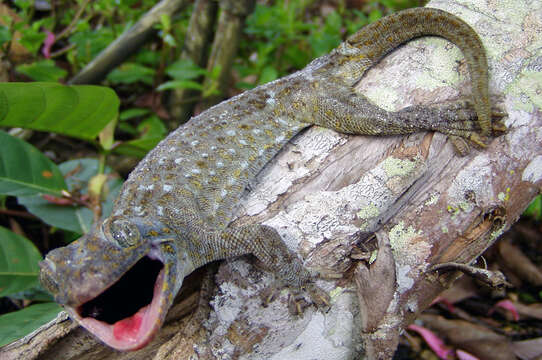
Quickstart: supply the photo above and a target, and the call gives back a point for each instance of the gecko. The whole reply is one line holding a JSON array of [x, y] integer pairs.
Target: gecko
[[173, 212]]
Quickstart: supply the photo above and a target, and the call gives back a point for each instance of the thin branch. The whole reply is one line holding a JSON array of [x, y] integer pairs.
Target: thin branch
[[126, 44]]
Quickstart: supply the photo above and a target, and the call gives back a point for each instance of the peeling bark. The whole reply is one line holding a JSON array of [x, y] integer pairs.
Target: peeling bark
[[327, 193]]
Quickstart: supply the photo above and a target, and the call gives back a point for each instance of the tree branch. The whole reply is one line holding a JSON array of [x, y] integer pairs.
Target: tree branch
[[327, 194], [126, 44]]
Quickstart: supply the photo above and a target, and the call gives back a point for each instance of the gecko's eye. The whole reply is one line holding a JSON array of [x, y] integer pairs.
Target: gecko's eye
[[121, 231]]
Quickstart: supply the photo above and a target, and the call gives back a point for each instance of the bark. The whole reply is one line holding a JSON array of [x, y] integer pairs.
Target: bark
[[182, 101], [328, 193], [126, 44]]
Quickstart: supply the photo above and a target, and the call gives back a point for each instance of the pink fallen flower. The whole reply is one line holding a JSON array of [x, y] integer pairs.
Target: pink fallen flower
[[47, 44], [434, 342]]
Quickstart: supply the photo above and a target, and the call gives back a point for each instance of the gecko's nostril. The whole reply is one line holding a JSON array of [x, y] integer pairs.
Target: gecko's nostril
[[47, 269]]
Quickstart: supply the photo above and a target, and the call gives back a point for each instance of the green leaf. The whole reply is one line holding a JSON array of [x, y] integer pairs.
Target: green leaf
[[129, 73], [152, 127], [17, 324], [180, 84], [185, 69], [18, 263], [31, 39], [132, 113], [269, 73], [44, 70], [137, 147], [25, 171], [34, 293], [534, 209], [89, 43], [80, 111], [75, 218]]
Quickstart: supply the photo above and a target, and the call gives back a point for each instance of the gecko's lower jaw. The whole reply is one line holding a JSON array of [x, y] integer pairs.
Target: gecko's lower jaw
[[128, 314]]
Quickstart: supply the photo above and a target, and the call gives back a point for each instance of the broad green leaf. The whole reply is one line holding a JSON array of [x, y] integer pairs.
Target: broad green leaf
[[75, 218], [25, 171], [80, 111], [17, 324], [44, 70], [129, 73], [34, 293], [18, 263]]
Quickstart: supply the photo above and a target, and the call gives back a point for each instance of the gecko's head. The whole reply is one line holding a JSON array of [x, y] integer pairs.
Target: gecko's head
[[117, 281]]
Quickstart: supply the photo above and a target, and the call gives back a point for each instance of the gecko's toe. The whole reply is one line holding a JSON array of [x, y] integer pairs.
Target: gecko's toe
[[319, 297]]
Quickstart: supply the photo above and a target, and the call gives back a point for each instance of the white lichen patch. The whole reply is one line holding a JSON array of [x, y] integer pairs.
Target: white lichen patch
[[359, 206], [238, 304], [410, 251], [471, 183], [533, 171]]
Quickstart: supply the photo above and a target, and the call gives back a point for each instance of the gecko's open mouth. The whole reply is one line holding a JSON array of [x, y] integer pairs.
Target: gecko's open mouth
[[127, 314]]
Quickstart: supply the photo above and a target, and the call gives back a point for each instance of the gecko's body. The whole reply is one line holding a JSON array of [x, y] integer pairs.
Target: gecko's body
[[173, 212]]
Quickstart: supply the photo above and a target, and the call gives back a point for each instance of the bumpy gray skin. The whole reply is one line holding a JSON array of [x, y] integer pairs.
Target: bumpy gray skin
[[176, 205]]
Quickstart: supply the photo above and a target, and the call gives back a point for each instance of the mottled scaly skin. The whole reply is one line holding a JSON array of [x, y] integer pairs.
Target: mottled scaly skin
[[176, 205]]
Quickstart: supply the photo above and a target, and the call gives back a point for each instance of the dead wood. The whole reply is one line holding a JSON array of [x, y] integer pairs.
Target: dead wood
[[328, 193]]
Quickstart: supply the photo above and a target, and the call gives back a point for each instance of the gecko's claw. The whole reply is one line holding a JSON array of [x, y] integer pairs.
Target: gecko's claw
[[319, 297]]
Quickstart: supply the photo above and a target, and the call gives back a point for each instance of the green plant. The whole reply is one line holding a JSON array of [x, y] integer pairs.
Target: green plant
[[68, 196]]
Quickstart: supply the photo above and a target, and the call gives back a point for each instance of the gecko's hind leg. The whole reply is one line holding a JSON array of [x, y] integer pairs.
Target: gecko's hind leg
[[354, 114]]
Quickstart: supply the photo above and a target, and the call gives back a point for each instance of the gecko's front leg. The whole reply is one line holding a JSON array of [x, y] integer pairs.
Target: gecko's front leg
[[266, 244]]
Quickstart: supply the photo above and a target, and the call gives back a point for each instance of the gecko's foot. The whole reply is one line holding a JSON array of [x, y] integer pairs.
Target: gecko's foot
[[463, 128], [319, 297], [296, 299]]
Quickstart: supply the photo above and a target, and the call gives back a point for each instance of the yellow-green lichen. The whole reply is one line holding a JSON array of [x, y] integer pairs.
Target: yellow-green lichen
[[504, 196], [432, 200], [527, 90], [397, 167], [368, 212], [401, 236]]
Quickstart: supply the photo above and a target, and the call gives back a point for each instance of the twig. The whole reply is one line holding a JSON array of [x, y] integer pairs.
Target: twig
[[74, 21], [126, 44], [19, 213]]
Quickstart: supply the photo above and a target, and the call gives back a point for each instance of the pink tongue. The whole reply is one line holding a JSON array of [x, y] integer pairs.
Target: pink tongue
[[127, 329]]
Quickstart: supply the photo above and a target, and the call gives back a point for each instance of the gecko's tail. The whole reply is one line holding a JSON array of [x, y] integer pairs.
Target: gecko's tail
[[412, 23]]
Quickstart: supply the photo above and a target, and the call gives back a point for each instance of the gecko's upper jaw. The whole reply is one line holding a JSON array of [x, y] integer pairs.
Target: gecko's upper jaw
[[128, 314]]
